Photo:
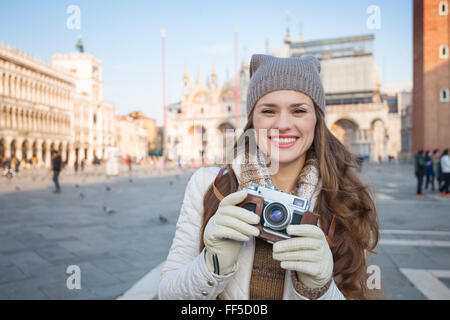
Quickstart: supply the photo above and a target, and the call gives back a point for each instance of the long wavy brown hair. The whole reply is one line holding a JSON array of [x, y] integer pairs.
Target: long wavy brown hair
[[343, 195]]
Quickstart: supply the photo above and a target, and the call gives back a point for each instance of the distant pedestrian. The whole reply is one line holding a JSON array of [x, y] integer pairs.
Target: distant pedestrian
[[128, 162], [436, 158], [419, 168], [359, 162], [17, 165], [34, 161], [445, 166], [7, 168], [56, 168], [429, 172], [75, 166], [82, 165], [161, 165]]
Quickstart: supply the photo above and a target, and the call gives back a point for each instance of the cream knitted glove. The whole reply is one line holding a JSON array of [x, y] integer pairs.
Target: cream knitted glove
[[307, 253], [226, 232]]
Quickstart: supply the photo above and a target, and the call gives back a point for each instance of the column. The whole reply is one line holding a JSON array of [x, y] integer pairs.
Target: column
[[39, 152], [19, 142], [48, 154], [8, 147]]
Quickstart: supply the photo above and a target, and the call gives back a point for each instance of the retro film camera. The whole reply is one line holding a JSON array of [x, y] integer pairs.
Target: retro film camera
[[277, 210]]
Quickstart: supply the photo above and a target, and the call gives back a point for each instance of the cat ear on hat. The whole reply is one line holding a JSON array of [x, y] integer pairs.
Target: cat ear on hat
[[256, 61], [314, 61]]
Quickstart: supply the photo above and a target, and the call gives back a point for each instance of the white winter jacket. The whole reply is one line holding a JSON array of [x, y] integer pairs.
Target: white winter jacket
[[445, 164], [185, 275]]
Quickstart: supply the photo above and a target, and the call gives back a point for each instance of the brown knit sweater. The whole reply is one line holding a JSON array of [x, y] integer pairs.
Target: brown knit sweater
[[267, 280]]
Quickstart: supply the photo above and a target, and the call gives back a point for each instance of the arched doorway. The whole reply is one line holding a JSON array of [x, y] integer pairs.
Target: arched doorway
[[43, 151], [346, 132], [34, 149], [198, 142], [227, 132], [13, 148], [25, 150], [2, 149], [379, 140]]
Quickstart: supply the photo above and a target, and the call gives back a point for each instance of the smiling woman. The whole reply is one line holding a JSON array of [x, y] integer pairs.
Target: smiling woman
[[287, 120], [217, 251]]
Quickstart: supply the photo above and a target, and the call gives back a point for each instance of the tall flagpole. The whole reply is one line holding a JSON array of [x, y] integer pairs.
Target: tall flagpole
[[163, 39], [236, 76]]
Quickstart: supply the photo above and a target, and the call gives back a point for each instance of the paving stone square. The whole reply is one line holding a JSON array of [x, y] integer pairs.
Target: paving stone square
[[110, 227]]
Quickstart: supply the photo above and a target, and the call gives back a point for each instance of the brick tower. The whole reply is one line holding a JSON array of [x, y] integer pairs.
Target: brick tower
[[431, 96]]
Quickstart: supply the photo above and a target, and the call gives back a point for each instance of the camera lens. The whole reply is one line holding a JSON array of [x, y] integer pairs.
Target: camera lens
[[276, 216]]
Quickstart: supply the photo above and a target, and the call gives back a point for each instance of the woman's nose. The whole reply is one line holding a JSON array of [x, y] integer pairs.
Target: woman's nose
[[283, 121]]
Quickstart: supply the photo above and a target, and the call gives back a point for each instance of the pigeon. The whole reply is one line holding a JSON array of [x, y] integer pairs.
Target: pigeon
[[171, 182], [163, 219], [17, 189], [76, 186], [130, 180], [108, 188], [108, 210], [81, 195]]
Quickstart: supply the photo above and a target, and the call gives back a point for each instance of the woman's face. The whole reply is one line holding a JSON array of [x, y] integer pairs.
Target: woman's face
[[289, 119]]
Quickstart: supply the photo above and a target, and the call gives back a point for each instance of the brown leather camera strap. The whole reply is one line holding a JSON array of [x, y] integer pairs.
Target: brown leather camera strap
[[216, 181], [330, 235]]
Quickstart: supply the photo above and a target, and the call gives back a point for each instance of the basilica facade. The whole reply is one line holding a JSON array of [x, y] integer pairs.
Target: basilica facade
[[198, 126]]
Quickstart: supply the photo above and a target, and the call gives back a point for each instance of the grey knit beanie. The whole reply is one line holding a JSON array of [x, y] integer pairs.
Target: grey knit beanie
[[268, 73]]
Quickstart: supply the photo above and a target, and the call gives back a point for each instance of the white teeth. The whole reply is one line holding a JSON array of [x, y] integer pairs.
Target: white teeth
[[283, 140]]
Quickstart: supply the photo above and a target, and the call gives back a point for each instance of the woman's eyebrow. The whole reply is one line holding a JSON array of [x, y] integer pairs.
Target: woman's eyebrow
[[292, 105], [300, 104], [267, 105]]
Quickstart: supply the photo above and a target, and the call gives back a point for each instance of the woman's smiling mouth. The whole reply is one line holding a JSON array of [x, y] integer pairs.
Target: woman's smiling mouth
[[283, 141]]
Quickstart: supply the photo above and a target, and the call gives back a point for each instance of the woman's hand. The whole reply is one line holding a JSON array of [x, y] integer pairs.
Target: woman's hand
[[307, 253], [226, 232]]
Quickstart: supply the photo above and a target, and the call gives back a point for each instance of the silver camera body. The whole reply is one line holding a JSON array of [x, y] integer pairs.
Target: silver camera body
[[280, 209]]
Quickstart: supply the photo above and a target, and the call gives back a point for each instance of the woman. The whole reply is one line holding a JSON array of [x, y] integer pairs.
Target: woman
[[216, 252]]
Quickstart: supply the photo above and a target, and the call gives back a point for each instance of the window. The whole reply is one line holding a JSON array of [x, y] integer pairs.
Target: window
[[443, 51], [444, 95], [443, 8]]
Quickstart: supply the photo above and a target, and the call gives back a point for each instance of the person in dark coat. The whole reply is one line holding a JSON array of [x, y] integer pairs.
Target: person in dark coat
[[419, 168], [56, 168], [429, 171]]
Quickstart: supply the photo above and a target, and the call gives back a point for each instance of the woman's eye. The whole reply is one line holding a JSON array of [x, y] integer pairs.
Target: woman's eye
[[299, 111], [267, 111]]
